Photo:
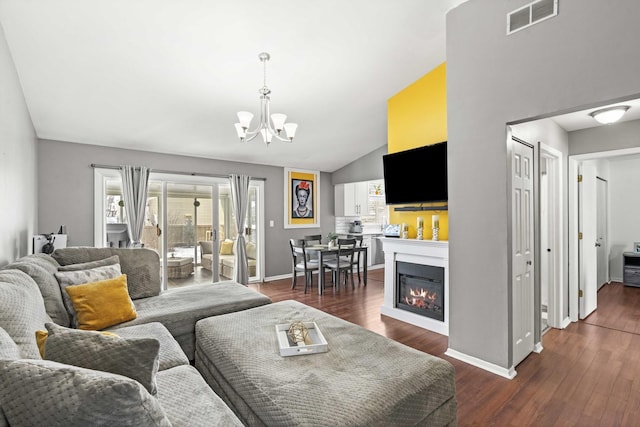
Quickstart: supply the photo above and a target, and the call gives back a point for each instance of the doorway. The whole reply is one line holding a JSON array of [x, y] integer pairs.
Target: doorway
[[189, 221]]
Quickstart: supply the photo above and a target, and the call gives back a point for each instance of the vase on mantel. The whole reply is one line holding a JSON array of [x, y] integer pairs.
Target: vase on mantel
[[435, 234]]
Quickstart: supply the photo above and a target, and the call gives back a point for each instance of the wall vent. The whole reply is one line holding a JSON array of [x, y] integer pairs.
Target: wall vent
[[530, 14]]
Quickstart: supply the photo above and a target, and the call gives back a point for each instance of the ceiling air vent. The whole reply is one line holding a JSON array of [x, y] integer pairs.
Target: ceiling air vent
[[531, 14]]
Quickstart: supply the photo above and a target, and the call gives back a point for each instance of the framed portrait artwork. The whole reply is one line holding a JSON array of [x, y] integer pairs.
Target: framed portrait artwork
[[302, 198]]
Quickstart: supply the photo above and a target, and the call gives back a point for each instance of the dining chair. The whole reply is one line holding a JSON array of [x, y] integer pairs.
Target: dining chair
[[342, 263], [313, 239], [356, 261], [301, 263]]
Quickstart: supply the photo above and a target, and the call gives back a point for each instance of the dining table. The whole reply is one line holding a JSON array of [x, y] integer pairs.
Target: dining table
[[323, 251]]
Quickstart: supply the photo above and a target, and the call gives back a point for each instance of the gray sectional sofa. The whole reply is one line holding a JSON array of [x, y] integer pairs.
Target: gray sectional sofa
[[50, 392]]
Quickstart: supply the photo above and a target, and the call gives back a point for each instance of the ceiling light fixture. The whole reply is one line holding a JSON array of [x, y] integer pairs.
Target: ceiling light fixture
[[270, 125], [610, 114]]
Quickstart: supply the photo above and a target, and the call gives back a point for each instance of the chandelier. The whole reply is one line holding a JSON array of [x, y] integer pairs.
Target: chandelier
[[270, 125]]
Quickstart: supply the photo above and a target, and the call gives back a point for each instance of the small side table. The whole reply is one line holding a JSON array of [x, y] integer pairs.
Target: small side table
[[179, 267], [631, 268]]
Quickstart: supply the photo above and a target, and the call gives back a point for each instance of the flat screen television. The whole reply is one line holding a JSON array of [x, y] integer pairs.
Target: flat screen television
[[416, 176]]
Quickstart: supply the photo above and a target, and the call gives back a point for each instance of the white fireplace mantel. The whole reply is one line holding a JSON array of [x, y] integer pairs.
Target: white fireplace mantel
[[425, 252]]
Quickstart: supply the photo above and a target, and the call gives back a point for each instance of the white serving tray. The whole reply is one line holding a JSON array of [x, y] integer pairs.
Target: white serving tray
[[318, 342]]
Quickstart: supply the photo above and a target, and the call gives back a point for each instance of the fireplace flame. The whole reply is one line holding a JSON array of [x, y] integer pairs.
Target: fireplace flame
[[421, 298]]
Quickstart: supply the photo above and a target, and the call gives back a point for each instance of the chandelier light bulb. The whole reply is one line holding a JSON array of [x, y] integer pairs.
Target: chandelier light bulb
[[245, 118], [278, 121], [266, 136], [290, 129]]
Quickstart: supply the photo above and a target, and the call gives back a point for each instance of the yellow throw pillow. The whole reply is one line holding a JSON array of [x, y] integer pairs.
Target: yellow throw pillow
[[41, 338], [226, 247], [102, 304]]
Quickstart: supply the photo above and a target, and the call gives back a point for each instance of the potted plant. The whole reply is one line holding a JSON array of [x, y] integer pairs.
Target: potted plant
[[332, 239]]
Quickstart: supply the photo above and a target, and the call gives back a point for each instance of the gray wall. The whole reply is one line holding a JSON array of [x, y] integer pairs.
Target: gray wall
[[570, 62], [17, 164], [366, 168], [66, 195], [604, 138]]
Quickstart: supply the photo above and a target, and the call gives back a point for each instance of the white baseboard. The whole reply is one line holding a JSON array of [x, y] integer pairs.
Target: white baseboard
[[566, 322], [538, 348], [616, 279], [482, 364], [279, 277]]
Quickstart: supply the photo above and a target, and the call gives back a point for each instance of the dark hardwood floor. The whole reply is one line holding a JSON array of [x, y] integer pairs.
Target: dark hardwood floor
[[587, 374]]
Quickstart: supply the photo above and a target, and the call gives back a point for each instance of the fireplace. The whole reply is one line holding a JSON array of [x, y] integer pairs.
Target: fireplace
[[420, 289], [410, 256]]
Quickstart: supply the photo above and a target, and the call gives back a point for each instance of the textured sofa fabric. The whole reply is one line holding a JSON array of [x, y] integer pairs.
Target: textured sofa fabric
[[171, 355], [42, 268], [142, 266], [363, 380], [179, 309], [70, 396], [136, 358], [22, 311], [189, 401]]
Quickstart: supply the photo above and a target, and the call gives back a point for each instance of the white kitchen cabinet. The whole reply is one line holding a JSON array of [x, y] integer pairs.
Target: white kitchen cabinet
[[352, 199]]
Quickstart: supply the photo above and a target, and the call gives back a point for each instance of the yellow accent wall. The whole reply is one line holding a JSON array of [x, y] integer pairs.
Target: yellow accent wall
[[417, 116]]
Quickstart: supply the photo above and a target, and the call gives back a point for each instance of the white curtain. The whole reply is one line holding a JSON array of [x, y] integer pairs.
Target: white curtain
[[240, 201], [134, 189]]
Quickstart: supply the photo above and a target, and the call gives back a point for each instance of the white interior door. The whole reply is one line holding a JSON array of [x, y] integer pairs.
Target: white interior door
[[601, 230], [587, 223], [523, 251]]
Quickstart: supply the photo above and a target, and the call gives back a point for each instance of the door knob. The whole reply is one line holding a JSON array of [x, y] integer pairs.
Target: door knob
[[529, 263], [597, 245]]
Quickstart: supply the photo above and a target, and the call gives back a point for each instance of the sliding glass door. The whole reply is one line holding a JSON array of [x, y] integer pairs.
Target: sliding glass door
[[189, 221]]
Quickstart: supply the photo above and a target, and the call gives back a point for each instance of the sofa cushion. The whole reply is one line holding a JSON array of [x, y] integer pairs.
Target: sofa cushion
[[8, 348], [179, 309], [226, 247], [79, 277], [42, 335], [170, 354], [207, 259], [251, 250], [142, 266], [67, 395], [112, 260], [41, 268], [101, 304], [206, 247], [189, 401], [22, 311], [136, 358]]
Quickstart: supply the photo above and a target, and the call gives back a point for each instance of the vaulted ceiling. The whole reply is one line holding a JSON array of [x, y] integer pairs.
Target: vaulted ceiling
[[169, 76]]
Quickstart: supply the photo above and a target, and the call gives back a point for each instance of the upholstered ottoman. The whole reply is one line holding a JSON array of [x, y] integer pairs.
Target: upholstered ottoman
[[179, 268], [364, 379]]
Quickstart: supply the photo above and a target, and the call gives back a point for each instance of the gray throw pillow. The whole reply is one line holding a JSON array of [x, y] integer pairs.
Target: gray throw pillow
[[79, 277], [46, 393], [8, 348], [136, 358], [112, 260]]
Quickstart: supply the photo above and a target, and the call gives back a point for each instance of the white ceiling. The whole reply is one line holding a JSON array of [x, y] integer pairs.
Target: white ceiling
[[169, 76], [582, 120]]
